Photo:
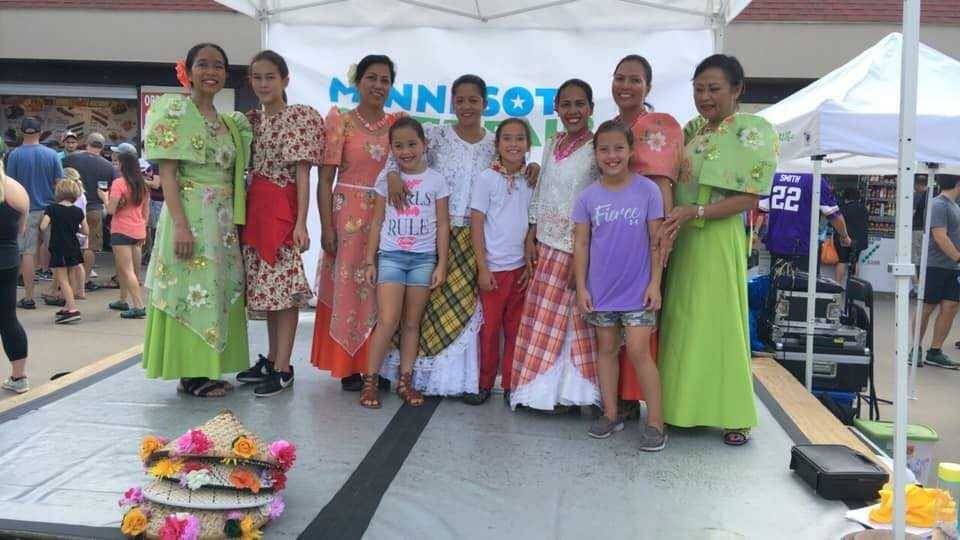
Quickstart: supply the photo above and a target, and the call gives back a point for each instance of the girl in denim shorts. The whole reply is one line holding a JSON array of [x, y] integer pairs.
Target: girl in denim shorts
[[618, 269], [406, 258]]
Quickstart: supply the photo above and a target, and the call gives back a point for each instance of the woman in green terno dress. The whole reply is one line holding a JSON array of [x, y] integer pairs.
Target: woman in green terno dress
[[728, 163], [196, 320]]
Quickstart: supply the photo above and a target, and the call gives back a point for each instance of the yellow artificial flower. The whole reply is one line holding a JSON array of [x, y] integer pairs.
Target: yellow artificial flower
[[166, 468], [149, 445], [134, 522], [248, 531], [244, 447]]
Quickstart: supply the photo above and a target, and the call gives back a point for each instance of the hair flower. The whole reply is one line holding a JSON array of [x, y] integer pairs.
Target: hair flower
[[284, 452], [244, 447], [182, 77]]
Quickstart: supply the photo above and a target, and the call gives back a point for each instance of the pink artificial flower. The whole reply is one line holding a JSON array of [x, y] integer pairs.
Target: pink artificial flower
[[131, 497], [276, 508], [284, 452], [172, 528], [194, 442], [191, 528]]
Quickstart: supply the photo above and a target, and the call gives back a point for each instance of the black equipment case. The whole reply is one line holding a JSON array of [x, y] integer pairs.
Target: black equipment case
[[836, 472]]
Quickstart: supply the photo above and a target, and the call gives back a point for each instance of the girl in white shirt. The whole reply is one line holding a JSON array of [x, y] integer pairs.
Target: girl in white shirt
[[406, 258]]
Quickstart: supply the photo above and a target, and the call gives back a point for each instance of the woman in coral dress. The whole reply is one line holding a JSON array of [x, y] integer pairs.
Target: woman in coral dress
[[356, 150]]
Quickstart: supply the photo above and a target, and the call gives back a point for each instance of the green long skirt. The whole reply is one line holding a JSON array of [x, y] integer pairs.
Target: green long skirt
[[173, 351], [704, 335]]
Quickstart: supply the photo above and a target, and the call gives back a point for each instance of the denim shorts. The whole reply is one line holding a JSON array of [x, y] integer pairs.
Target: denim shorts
[[641, 317], [406, 267]]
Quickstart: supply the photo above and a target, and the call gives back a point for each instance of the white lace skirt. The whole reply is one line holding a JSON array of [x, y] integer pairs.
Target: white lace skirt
[[563, 384], [453, 372]]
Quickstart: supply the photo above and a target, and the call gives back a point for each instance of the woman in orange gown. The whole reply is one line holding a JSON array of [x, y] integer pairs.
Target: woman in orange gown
[[356, 150], [656, 155]]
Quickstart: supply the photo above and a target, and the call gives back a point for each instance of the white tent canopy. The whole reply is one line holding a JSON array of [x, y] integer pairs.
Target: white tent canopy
[[572, 15], [855, 110]]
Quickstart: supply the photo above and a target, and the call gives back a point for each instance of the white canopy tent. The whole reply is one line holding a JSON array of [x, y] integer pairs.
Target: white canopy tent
[[856, 115], [575, 15]]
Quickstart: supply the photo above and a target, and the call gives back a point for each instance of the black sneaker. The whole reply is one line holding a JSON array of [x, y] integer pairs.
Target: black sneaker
[[65, 317], [259, 373], [90, 286], [353, 383], [276, 383]]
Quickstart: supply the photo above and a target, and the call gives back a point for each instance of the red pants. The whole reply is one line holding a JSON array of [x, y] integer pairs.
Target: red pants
[[502, 308]]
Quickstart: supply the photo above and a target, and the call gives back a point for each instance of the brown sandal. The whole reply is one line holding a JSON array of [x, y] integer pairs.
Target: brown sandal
[[407, 392], [370, 393]]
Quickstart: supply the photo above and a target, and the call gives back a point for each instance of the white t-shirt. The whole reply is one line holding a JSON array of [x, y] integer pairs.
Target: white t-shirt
[[507, 217], [415, 228]]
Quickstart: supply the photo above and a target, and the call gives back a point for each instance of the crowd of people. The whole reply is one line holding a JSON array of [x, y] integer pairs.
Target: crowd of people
[[615, 270]]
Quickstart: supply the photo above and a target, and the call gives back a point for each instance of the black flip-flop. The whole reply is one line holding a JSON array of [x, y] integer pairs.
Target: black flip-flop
[[27, 304], [203, 388]]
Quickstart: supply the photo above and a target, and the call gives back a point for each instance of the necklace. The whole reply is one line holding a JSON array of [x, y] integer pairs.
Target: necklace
[[560, 152], [376, 126], [511, 178]]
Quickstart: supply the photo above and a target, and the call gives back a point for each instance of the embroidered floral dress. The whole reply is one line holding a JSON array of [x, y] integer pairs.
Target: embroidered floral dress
[[196, 320], [346, 311], [281, 141], [705, 340], [447, 362]]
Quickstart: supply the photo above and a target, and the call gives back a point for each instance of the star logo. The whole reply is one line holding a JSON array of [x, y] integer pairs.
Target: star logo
[[517, 102]]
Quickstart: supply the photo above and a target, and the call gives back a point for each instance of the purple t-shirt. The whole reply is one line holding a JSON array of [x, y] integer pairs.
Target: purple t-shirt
[[619, 270], [788, 230]]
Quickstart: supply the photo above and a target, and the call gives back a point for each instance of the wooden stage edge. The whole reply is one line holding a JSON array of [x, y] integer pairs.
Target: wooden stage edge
[[69, 379], [817, 424]]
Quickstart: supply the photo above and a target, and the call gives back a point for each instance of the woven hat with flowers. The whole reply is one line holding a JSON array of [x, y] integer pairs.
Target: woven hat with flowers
[[218, 480]]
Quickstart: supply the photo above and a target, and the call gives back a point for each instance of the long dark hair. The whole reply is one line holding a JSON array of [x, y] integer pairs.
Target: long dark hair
[[192, 54], [130, 169], [275, 59]]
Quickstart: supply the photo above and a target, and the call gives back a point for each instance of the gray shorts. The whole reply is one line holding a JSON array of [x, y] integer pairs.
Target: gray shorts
[[641, 317], [30, 237], [155, 208]]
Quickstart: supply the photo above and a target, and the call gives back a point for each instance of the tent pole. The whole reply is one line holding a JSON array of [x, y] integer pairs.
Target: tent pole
[[719, 27], [263, 16], [902, 269], [812, 273], [922, 282]]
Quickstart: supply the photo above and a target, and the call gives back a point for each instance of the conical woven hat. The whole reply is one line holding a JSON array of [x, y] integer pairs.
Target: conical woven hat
[[212, 523], [230, 440], [211, 498]]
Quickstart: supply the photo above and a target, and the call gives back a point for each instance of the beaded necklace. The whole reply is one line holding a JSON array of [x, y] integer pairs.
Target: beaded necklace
[[561, 152], [376, 126]]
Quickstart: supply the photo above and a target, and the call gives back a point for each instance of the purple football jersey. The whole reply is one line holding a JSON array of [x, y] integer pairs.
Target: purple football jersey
[[788, 228]]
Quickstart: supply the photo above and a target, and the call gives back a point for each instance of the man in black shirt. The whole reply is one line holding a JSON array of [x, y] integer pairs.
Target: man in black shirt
[[96, 173], [856, 215]]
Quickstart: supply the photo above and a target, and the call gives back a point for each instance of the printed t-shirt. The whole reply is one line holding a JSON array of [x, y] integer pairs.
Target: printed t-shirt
[[620, 260], [415, 227]]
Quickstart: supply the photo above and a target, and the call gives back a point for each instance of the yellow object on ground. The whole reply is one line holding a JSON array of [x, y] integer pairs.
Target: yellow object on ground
[[923, 505]]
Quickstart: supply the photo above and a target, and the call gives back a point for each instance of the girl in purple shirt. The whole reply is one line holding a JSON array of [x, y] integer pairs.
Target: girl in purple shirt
[[618, 270]]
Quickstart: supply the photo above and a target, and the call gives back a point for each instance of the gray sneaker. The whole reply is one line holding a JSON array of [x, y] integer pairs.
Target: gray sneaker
[[603, 427], [19, 386], [652, 439], [937, 358]]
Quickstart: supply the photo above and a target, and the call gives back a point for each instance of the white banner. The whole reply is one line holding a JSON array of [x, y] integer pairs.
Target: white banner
[[522, 69]]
